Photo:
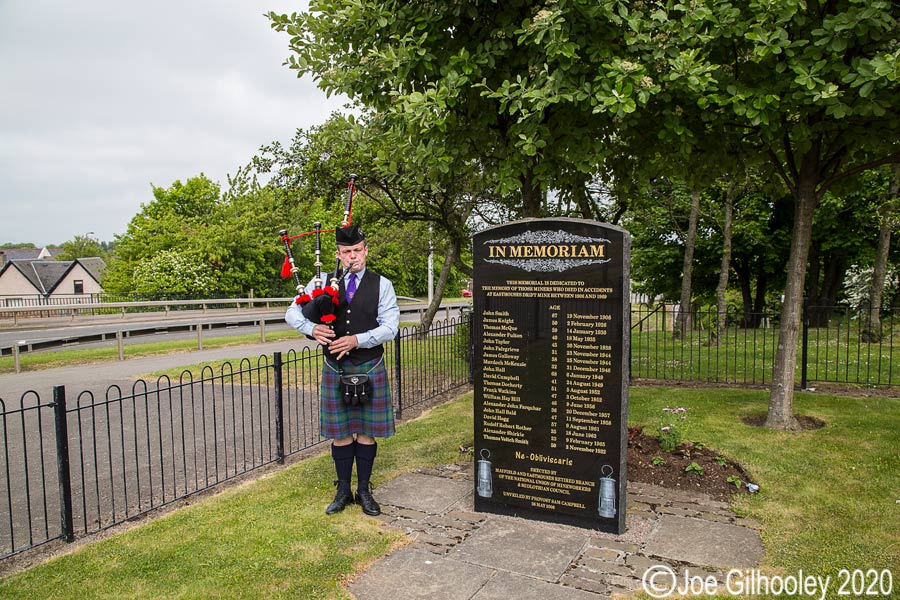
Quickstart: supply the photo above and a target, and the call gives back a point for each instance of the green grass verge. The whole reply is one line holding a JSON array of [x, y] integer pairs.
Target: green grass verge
[[267, 539], [828, 501], [436, 354], [829, 497], [64, 358]]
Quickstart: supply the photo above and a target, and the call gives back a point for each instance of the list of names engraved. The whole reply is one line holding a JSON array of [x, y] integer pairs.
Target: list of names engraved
[[503, 380]]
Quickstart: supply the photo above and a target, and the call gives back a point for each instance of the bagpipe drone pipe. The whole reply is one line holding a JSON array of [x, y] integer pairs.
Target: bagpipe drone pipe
[[321, 303]]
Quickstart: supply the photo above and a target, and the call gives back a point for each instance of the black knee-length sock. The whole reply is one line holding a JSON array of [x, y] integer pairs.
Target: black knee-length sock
[[343, 462], [365, 460]]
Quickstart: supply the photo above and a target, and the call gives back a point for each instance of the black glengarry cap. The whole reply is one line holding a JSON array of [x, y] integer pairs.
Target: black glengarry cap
[[349, 235]]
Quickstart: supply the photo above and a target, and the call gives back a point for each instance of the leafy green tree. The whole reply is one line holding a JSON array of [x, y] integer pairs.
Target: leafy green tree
[[172, 274], [807, 82], [549, 90], [803, 84], [438, 75], [176, 216], [233, 236], [81, 246], [394, 206]]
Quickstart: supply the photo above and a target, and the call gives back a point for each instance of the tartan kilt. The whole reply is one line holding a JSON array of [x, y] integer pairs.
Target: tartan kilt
[[375, 418]]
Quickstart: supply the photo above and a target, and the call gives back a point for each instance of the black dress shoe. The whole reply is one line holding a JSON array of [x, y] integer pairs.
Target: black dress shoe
[[365, 499], [342, 498]]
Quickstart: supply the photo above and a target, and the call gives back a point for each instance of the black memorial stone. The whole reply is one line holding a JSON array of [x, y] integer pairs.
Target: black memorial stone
[[551, 317]]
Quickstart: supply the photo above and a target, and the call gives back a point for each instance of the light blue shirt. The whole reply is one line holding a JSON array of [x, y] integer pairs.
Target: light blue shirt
[[388, 314]]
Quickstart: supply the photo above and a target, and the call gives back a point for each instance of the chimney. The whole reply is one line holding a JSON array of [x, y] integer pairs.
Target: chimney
[[2, 258]]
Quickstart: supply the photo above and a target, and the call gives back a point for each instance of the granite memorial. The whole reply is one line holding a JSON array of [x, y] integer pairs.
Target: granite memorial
[[550, 330]]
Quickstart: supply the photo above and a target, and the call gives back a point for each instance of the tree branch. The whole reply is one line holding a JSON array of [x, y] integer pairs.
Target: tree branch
[[789, 153], [887, 160], [779, 167]]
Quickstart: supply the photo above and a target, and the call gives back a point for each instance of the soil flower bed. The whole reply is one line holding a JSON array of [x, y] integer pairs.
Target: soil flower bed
[[692, 466]]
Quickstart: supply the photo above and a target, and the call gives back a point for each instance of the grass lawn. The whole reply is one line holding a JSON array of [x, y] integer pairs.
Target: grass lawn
[[828, 500]]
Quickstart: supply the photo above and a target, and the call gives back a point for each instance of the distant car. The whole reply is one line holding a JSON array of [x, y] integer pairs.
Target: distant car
[[467, 293]]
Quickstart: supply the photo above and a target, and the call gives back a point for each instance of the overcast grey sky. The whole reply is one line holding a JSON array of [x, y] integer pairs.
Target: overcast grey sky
[[101, 98]]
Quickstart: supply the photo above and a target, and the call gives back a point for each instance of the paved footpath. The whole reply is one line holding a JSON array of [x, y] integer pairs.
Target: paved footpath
[[458, 554]]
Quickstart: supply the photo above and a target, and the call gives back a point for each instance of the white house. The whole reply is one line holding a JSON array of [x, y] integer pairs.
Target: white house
[[42, 281]]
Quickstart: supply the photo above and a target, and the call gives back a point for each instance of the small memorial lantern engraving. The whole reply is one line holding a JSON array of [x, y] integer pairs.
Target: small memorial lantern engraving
[[485, 487]]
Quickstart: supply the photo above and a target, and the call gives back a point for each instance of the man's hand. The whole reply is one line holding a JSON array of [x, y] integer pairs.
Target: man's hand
[[342, 346], [323, 334]]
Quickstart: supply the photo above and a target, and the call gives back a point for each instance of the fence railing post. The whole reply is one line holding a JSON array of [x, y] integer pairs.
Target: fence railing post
[[471, 327], [398, 377], [279, 408], [62, 461], [804, 348]]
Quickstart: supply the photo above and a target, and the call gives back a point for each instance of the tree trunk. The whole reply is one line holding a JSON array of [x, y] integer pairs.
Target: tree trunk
[[450, 257], [872, 330], [822, 299], [583, 200], [759, 300], [532, 197], [683, 323], [742, 269], [726, 263], [781, 398]]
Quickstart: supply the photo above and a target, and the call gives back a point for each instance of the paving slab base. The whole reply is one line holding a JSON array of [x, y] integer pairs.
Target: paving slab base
[[456, 553]]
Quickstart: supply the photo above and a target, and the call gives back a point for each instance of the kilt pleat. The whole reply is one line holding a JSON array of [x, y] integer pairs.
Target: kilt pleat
[[375, 418]]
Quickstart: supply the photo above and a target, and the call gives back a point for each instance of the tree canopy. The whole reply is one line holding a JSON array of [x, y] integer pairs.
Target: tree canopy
[[555, 94]]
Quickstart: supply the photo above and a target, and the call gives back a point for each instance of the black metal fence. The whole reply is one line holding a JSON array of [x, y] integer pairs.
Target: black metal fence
[[837, 344], [78, 464]]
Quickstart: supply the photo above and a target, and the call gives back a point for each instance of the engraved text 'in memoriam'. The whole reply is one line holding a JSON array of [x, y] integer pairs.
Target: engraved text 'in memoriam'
[[547, 251]]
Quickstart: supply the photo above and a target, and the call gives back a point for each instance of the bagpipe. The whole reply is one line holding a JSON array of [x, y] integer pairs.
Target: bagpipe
[[318, 306]]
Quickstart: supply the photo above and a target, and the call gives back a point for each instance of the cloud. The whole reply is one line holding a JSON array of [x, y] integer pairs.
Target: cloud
[[103, 98]]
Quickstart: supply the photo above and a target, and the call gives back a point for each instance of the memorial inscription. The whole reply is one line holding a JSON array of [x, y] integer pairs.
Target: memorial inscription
[[551, 312]]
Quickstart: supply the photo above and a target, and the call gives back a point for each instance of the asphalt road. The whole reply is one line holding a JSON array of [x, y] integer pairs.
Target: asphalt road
[[136, 447], [135, 328], [98, 377], [140, 444]]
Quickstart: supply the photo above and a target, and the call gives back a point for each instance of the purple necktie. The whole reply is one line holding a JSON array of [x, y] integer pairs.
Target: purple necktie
[[351, 286]]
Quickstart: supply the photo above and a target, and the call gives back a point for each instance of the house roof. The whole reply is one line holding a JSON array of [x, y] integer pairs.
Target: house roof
[[93, 265], [45, 275], [30, 253]]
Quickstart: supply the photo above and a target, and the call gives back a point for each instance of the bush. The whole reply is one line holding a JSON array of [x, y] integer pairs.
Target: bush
[[461, 343]]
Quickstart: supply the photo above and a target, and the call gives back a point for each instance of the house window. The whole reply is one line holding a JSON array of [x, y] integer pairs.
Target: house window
[[79, 286]]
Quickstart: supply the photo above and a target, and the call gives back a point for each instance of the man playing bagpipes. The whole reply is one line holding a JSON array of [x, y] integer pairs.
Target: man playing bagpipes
[[355, 406]]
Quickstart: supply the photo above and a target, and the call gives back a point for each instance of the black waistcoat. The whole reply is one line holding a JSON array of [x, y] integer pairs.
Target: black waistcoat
[[360, 315]]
